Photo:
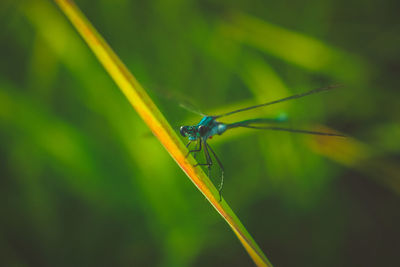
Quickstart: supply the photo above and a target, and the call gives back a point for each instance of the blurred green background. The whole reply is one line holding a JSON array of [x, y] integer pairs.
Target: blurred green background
[[84, 183]]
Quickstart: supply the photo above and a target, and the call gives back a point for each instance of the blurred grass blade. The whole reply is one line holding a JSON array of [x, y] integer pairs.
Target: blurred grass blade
[[294, 47], [357, 155], [158, 124]]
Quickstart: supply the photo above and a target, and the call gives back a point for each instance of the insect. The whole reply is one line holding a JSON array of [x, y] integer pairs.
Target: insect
[[209, 126]]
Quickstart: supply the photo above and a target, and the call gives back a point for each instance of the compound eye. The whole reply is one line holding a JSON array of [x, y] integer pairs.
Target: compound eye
[[202, 130], [182, 130]]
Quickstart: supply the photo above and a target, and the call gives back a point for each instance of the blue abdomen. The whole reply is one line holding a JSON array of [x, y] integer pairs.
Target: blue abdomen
[[217, 128]]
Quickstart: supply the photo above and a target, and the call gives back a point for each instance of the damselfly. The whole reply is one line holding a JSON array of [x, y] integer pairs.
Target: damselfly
[[209, 126]]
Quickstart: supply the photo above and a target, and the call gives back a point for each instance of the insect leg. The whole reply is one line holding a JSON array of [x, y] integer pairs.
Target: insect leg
[[194, 150], [187, 145], [222, 171], [208, 159]]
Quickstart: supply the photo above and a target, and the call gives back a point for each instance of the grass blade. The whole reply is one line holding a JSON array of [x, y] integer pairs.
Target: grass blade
[[147, 110], [357, 155], [294, 47]]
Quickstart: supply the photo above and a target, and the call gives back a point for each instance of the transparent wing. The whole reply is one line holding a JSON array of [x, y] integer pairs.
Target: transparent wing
[[281, 100], [180, 100], [265, 124], [190, 107], [292, 130]]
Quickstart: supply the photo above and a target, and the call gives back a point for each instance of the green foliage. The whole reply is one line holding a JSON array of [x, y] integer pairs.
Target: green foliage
[[83, 183]]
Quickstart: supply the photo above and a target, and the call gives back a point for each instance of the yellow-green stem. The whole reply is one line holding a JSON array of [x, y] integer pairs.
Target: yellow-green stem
[[142, 103]]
